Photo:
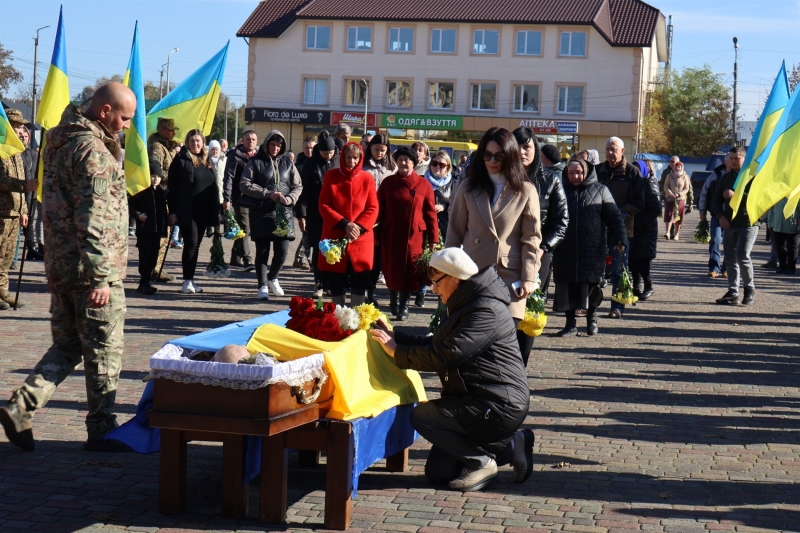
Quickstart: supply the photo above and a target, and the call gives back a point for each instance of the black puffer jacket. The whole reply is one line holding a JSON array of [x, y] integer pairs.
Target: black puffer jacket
[[645, 228], [552, 209], [476, 354], [582, 255], [311, 175], [234, 165]]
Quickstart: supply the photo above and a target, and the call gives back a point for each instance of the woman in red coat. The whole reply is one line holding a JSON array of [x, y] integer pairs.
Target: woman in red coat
[[348, 205], [407, 219]]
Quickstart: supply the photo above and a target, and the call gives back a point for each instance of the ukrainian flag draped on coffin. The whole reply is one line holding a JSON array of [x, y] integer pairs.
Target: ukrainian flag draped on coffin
[[192, 104], [776, 103], [9, 142], [55, 95], [137, 167]]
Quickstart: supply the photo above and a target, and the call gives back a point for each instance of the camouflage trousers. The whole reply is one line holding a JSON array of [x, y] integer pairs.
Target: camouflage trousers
[[9, 232], [162, 251], [80, 334]]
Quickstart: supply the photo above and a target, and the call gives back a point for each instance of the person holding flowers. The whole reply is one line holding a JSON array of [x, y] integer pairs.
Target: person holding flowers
[[348, 204], [270, 185], [407, 220], [676, 187], [580, 260]]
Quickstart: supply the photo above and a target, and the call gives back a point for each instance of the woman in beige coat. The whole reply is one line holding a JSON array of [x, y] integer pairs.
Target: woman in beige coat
[[495, 217], [676, 187]]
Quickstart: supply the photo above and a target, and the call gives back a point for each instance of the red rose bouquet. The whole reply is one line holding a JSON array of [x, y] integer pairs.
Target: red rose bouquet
[[315, 320]]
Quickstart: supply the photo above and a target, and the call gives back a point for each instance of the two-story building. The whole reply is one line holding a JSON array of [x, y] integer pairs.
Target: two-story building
[[576, 71]]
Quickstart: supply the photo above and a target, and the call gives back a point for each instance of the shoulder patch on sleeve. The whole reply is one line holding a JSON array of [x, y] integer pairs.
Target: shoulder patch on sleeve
[[100, 186]]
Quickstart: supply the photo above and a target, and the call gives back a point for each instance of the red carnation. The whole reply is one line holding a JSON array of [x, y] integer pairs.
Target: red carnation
[[609, 260]]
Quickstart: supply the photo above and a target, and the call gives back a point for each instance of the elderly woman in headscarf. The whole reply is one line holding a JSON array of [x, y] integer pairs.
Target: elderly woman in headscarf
[[217, 159], [579, 262]]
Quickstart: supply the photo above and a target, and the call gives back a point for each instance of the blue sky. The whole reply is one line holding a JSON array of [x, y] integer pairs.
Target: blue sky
[[99, 36]]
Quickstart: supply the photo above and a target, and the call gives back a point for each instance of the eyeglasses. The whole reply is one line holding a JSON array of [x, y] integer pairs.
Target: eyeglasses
[[435, 282], [499, 156], [438, 164]]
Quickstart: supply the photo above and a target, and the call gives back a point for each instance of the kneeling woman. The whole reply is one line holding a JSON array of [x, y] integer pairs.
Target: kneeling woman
[[474, 426]]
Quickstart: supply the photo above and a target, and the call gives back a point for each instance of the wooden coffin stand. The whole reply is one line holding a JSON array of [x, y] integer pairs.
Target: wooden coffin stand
[[286, 417]]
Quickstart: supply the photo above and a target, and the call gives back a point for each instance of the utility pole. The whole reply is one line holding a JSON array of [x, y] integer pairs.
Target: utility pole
[[161, 82], [35, 63], [236, 127], [227, 104], [735, 85], [668, 66]]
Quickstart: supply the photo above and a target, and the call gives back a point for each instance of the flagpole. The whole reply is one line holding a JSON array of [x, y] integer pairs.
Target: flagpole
[[25, 241]]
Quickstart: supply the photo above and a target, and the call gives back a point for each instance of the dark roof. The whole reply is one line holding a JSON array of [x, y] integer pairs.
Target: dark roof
[[620, 22]]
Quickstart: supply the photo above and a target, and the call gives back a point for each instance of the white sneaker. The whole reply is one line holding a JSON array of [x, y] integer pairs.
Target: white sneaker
[[474, 480], [187, 288], [263, 293], [197, 288], [275, 287]]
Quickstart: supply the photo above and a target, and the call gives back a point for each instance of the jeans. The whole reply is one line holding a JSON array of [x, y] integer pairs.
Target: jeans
[[281, 251], [738, 243], [616, 274], [176, 235], [714, 264]]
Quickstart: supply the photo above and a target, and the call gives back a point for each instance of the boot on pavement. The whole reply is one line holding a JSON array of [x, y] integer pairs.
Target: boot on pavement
[[17, 425], [393, 302], [402, 306], [8, 299], [570, 328], [591, 321]]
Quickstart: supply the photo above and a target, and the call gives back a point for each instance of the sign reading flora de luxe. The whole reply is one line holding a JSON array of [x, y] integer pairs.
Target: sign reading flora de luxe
[[297, 116], [421, 122]]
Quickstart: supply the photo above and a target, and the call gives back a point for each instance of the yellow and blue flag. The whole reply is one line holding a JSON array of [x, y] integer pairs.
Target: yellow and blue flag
[[776, 103], [55, 95], [137, 167], [10, 144], [193, 103], [777, 173]]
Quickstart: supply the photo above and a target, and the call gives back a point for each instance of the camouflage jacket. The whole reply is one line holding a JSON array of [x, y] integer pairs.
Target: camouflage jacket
[[12, 187], [163, 151], [84, 206]]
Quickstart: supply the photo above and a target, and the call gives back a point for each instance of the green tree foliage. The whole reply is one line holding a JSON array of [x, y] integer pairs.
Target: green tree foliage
[[8, 74], [689, 114], [87, 92], [794, 77]]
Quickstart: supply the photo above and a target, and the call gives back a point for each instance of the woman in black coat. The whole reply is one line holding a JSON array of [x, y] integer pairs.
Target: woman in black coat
[[323, 158], [485, 396], [270, 185], [645, 235], [193, 202], [580, 260]]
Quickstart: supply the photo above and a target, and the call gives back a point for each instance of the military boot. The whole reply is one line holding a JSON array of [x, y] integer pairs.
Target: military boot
[[402, 307], [17, 423], [393, 302], [8, 299]]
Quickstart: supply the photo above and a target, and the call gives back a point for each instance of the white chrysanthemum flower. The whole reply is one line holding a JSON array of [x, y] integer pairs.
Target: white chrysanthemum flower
[[348, 318]]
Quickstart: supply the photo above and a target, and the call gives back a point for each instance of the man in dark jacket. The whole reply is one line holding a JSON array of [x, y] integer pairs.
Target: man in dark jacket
[[715, 268], [627, 187], [237, 160], [739, 234], [474, 426]]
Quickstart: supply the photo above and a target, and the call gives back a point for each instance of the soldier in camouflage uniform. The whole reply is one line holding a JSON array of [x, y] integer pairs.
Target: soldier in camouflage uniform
[[162, 147], [85, 213], [13, 209]]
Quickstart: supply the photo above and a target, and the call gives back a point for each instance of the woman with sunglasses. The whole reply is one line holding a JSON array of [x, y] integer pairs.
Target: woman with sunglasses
[[495, 217], [475, 426]]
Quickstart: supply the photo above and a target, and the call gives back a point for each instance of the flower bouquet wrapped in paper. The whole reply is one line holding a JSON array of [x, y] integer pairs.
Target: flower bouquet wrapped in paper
[[232, 229], [676, 212], [333, 249], [423, 261], [624, 294], [702, 234], [217, 268], [535, 318]]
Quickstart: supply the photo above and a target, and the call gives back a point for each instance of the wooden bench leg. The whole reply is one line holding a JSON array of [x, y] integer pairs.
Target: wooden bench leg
[[397, 462], [274, 477], [234, 492], [172, 472], [338, 477]]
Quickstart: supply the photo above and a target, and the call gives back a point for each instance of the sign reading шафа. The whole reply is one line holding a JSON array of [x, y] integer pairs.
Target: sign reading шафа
[[421, 122]]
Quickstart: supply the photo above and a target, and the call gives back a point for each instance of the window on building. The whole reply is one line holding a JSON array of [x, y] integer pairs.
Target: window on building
[[529, 43], [570, 99], [443, 41], [526, 98], [485, 42], [315, 91], [440, 95], [318, 37], [355, 92], [359, 38], [401, 39], [484, 96], [573, 43], [398, 94]]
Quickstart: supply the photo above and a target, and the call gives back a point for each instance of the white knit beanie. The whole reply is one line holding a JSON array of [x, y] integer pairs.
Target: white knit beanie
[[214, 144], [454, 262]]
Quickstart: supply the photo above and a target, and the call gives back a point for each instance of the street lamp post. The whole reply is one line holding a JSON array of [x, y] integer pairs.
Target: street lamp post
[[735, 80], [35, 63], [169, 57]]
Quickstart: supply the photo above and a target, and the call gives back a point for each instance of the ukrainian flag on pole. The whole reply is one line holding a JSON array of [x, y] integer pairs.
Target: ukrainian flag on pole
[[137, 167], [775, 105], [192, 104], [55, 95], [9, 142]]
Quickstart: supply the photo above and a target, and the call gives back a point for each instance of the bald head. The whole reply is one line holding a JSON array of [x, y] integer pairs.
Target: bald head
[[114, 105]]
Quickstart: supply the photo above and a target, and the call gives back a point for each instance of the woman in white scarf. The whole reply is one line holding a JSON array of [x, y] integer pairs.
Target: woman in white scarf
[[217, 160]]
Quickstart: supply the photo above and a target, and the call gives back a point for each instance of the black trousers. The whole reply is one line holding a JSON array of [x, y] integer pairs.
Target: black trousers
[[359, 282], [149, 245], [786, 247], [241, 247], [192, 237], [640, 271], [279, 254]]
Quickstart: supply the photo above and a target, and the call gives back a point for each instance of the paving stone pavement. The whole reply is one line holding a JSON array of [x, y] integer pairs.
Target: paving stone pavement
[[683, 417]]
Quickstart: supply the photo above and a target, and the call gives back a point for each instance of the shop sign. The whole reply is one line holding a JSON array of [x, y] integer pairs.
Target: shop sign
[[550, 126], [296, 116], [353, 119], [421, 122]]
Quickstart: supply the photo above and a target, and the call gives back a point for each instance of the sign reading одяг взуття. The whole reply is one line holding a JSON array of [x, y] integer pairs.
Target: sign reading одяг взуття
[[421, 122]]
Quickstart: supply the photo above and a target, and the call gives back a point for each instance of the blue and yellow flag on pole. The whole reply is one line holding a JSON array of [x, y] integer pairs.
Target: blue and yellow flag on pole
[[193, 103], [137, 167], [775, 105], [55, 95], [9, 142]]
